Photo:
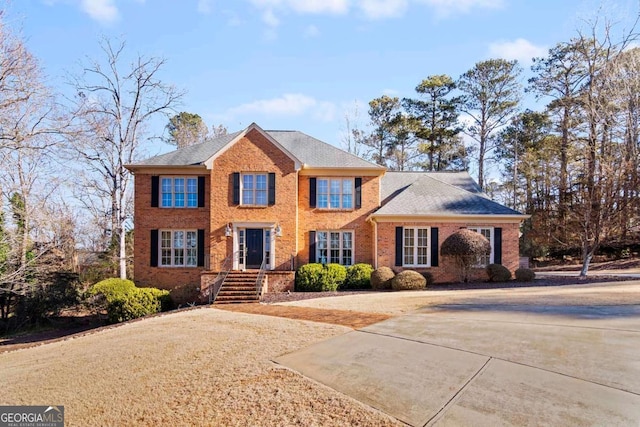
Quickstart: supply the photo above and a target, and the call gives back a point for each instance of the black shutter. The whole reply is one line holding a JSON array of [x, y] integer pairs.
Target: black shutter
[[155, 190], [201, 191], [434, 246], [272, 188], [236, 188], [200, 249], [154, 248], [358, 193], [312, 192], [497, 245], [312, 246], [398, 246]]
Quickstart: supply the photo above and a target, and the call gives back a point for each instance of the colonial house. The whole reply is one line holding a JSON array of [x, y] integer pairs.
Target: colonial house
[[270, 201]]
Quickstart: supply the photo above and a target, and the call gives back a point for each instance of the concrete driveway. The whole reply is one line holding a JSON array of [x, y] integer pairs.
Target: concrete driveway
[[492, 362]]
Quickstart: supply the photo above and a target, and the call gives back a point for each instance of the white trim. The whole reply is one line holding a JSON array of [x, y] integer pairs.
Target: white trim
[[171, 248], [341, 249], [415, 246], [485, 219], [255, 189], [341, 179], [253, 126], [173, 178], [236, 226]]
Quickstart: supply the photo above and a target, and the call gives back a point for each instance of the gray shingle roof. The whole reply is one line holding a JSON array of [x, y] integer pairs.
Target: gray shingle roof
[[306, 149], [435, 193]]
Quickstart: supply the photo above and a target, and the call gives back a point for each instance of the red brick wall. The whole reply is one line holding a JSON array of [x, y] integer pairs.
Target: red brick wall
[[253, 153], [311, 219], [446, 272], [146, 219]]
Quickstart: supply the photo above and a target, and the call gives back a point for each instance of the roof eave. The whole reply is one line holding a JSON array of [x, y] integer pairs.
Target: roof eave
[[307, 169], [150, 168], [489, 218]]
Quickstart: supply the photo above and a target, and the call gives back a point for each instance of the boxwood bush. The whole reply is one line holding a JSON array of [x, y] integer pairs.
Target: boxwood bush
[[381, 278], [525, 275], [320, 278], [124, 301], [498, 273], [358, 277], [408, 280]]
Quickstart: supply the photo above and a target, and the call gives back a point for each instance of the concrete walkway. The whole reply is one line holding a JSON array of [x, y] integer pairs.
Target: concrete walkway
[[490, 364]]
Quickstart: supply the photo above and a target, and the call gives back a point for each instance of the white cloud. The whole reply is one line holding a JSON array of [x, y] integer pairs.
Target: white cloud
[[445, 8], [270, 19], [390, 92], [104, 11], [289, 104], [381, 9], [205, 6], [311, 31], [520, 49], [305, 6]]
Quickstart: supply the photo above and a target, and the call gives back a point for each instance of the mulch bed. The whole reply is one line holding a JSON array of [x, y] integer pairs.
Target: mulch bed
[[351, 319]]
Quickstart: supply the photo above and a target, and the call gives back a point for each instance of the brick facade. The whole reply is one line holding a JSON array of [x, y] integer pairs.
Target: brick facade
[[445, 271], [291, 213]]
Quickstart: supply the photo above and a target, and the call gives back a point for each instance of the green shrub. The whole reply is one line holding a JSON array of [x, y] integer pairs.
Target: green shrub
[[381, 278], [408, 280], [429, 278], [358, 277], [124, 301], [525, 275], [309, 278], [498, 273], [334, 276]]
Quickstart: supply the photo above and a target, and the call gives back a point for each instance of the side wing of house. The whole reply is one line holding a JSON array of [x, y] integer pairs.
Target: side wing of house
[[422, 209]]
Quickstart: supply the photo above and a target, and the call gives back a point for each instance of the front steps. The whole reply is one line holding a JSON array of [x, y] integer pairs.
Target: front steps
[[239, 287]]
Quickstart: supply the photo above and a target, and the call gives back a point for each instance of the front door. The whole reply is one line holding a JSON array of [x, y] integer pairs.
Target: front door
[[255, 250]]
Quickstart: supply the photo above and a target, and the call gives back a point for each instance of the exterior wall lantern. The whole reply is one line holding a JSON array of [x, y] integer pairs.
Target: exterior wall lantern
[[228, 231], [278, 230]]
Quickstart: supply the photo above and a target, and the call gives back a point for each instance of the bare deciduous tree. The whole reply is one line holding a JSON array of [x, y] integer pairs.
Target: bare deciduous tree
[[113, 103]]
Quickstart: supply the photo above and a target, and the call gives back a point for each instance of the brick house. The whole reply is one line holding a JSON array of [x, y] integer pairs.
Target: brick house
[[287, 199]]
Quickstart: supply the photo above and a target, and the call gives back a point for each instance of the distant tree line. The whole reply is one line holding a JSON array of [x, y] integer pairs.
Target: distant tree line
[[573, 165]]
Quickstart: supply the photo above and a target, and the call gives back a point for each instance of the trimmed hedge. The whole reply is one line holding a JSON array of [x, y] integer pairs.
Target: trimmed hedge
[[124, 301], [498, 273], [429, 278], [358, 277], [316, 277], [525, 275], [408, 280], [381, 278]]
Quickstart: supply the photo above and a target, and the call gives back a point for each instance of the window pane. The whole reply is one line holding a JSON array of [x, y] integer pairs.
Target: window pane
[[192, 200], [192, 192], [322, 201], [347, 201], [408, 246], [347, 240], [167, 194], [335, 200], [178, 257], [323, 186], [321, 247], [247, 189], [347, 186], [335, 247], [178, 185], [261, 182], [261, 197], [335, 186]]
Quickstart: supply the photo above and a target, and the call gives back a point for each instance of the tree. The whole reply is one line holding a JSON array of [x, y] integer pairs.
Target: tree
[[111, 108], [383, 112], [465, 247], [491, 95], [186, 129], [437, 120]]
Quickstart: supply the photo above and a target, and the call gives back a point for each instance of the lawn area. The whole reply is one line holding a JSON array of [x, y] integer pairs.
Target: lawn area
[[196, 367]]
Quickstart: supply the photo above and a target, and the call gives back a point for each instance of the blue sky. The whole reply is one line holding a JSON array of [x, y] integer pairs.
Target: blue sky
[[298, 64]]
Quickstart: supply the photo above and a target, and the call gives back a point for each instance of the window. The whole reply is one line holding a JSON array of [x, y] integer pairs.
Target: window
[[179, 192], [487, 232], [178, 248], [254, 189], [415, 247], [335, 193], [334, 247]]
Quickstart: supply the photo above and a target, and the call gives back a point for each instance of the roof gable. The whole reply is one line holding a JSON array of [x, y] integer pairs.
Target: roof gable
[[304, 150]]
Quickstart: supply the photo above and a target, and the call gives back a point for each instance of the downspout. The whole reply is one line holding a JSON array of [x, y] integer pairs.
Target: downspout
[[375, 243]]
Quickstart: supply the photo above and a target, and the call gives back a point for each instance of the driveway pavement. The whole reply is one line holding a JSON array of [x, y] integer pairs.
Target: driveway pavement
[[492, 362]]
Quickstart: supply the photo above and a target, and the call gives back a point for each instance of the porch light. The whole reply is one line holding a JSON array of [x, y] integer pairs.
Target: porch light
[[227, 230], [278, 230]]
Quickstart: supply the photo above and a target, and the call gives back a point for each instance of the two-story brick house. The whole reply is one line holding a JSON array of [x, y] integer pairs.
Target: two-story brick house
[[286, 199]]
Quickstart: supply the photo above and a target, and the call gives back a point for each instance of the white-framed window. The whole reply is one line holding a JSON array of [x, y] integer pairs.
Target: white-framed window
[[334, 193], [334, 247], [179, 192], [415, 247], [487, 232], [178, 248], [254, 189]]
